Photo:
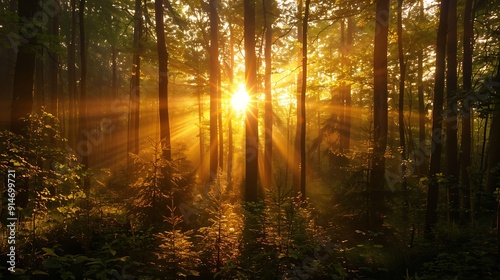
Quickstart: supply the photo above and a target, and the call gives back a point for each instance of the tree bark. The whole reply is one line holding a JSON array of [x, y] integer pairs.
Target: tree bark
[[251, 123], [437, 110], [213, 81], [135, 85], [402, 137], [296, 181], [302, 103], [422, 167], [24, 74], [380, 117], [163, 81], [268, 114], [494, 141], [72, 90], [54, 65], [451, 123], [465, 157]]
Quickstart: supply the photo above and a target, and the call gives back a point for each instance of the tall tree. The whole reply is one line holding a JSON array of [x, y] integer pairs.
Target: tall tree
[[230, 145], [451, 116], [437, 119], [422, 168], [251, 121], [54, 64], [268, 108], [380, 116], [83, 123], [465, 156], [297, 159], [402, 80], [135, 83], [493, 161], [302, 103], [163, 80], [72, 90], [22, 99], [346, 44], [214, 82]]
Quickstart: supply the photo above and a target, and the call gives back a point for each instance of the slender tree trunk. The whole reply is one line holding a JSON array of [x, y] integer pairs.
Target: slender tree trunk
[[213, 81], [451, 123], [493, 161], [437, 119], [251, 123], [380, 117], [465, 156], [72, 90], [303, 103], [83, 114], [346, 39], [296, 144], [135, 85], [24, 75], [422, 167], [199, 94], [402, 137], [8, 61], [219, 121], [268, 114], [24, 79], [347, 93], [230, 145], [163, 81], [54, 65], [114, 117]]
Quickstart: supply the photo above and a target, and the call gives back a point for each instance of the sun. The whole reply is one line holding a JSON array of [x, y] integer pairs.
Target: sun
[[240, 99]]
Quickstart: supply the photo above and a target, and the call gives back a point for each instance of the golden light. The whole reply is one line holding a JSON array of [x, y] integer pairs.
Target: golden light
[[240, 99]]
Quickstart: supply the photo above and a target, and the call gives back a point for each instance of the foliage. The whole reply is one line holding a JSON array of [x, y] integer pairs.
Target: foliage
[[221, 233], [176, 248], [157, 183]]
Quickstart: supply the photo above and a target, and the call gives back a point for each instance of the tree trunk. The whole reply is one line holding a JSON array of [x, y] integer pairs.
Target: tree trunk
[[251, 123], [422, 160], [213, 81], [451, 115], [83, 114], [465, 157], [135, 85], [8, 61], [302, 103], [494, 142], [380, 117], [163, 81], [54, 65], [24, 75], [72, 90], [402, 79], [296, 187], [230, 145], [437, 110], [268, 114], [346, 39]]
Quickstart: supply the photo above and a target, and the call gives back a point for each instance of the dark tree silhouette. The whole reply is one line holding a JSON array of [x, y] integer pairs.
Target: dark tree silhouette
[[214, 94], [251, 123], [380, 117], [163, 81], [437, 119]]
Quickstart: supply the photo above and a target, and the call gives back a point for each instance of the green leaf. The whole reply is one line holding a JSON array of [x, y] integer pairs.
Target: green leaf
[[39, 272], [49, 252]]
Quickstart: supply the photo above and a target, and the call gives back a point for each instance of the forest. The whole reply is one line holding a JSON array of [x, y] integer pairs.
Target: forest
[[250, 139]]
